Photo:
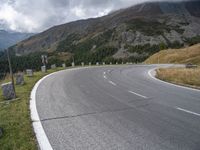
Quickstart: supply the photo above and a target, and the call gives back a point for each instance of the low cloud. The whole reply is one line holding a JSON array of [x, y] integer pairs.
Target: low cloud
[[38, 15]]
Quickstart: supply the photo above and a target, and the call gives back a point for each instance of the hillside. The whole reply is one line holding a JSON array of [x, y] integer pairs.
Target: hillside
[[135, 33], [180, 56], [8, 39]]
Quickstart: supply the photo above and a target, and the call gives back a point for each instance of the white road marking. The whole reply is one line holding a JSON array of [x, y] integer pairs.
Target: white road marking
[[187, 111], [138, 94], [41, 136], [104, 73], [104, 77], [112, 83]]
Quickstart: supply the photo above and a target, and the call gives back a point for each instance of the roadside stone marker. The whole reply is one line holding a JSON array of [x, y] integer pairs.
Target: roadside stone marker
[[43, 69], [29, 72], [20, 79], [97, 63], [116, 63], [64, 65], [122, 63], [73, 64], [110, 63], [82, 64], [8, 91], [104, 63], [53, 66], [90, 63]]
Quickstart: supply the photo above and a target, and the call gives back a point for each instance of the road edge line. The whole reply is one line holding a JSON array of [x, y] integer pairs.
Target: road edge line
[[180, 86], [40, 134]]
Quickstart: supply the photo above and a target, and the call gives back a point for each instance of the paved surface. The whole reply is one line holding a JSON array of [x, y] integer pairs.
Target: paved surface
[[117, 108]]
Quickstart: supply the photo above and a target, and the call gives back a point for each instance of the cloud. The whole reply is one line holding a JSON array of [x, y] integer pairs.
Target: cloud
[[38, 15]]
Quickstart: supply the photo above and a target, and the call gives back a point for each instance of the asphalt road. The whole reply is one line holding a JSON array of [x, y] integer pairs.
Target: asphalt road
[[117, 108]]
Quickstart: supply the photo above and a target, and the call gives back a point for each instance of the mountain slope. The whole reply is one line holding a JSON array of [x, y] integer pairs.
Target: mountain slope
[[136, 32], [8, 39], [180, 56]]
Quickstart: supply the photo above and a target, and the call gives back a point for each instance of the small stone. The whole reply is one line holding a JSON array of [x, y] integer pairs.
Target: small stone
[[8, 91], [29, 72], [19, 79]]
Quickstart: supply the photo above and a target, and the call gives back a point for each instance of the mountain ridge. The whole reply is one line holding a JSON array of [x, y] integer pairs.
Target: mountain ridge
[[153, 24], [9, 38]]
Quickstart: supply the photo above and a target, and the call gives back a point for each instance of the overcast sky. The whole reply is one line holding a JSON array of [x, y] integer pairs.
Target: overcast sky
[[38, 15]]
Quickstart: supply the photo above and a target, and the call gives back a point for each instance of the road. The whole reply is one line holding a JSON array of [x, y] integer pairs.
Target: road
[[117, 108]]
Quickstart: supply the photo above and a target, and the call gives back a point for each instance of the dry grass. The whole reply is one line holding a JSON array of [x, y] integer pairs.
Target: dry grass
[[182, 76], [181, 56]]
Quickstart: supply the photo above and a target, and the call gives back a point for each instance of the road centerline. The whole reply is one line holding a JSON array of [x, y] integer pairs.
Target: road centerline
[[111, 82], [188, 111], [138, 94]]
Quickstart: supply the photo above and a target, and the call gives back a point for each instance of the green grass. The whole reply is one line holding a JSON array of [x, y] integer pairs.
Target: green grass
[[15, 117]]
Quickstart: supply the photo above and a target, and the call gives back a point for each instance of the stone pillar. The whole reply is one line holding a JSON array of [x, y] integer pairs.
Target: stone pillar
[[110, 63], [82, 64], [29, 72], [104, 63], [116, 63], [90, 63], [43, 69], [53, 66], [20, 79], [8, 91], [64, 65], [97, 63]]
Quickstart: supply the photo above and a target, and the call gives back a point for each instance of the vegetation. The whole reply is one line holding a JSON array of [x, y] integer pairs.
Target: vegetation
[[182, 76], [193, 41], [152, 28], [15, 117], [30, 61], [178, 56]]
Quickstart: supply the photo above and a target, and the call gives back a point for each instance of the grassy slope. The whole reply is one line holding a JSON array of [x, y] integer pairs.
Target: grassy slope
[[182, 76], [15, 117], [185, 55]]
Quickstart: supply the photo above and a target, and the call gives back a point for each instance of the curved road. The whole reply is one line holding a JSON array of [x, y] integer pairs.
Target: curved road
[[117, 108]]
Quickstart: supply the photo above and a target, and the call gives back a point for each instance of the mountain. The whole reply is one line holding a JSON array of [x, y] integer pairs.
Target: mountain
[[9, 38], [133, 33], [178, 56]]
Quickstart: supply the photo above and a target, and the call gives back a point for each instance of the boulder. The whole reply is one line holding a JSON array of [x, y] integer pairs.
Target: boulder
[[8, 91]]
